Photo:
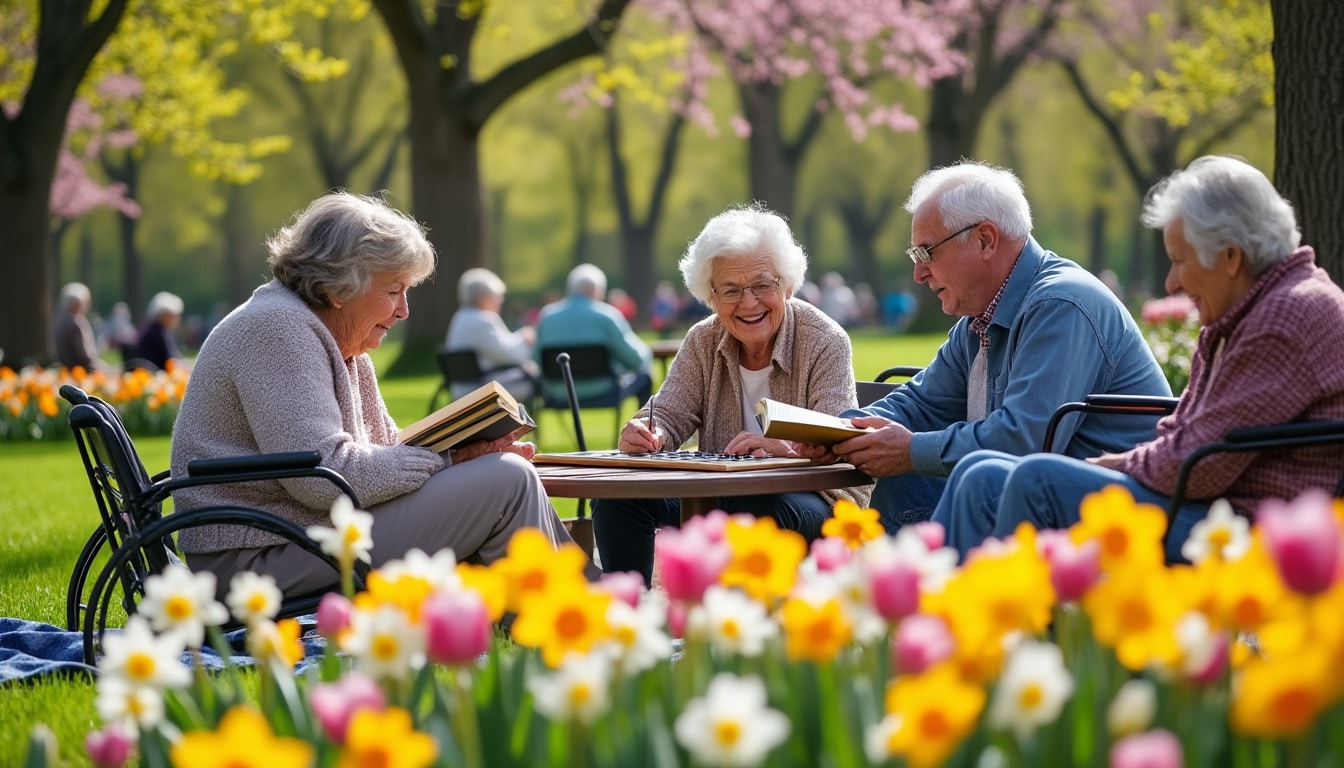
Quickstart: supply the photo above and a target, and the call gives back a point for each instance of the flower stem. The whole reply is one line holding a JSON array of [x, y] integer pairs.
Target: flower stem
[[466, 725]]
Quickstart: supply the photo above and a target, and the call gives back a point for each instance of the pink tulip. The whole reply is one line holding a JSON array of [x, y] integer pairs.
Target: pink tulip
[[335, 704], [333, 615], [830, 554], [689, 562], [626, 586], [921, 641], [932, 534], [1151, 749], [676, 618], [894, 585], [109, 748], [713, 526], [1212, 670], [457, 627], [1074, 568], [1303, 538]]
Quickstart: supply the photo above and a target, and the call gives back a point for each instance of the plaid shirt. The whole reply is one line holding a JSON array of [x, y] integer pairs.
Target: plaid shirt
[[1275, 357], [980, 324]]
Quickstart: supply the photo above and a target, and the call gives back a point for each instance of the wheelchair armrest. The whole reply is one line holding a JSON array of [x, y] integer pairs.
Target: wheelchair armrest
[[1288, 432], [262, 463], [1137, 403], [907, 371]]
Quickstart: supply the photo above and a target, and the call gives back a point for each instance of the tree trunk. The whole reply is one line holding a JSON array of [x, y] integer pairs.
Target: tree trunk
[[951, 137], [240, 250], [772, 165], [132, 268], [1309, 117]]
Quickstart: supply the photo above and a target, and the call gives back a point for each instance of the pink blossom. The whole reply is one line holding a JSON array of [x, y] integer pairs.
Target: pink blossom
[[1177, 308], [691, 558], [894, 585], [1303, 538], [1151, 749], [333, 614], [932, 534], [457, 626], [626, 586], [336, 703], [830, 554], [1074, 568], [109, 748], [921, 641]]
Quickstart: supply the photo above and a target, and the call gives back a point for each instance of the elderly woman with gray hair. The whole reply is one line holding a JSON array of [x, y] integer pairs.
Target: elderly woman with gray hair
[[289, 371], [760, 342], [1269, 352], [503, 355]]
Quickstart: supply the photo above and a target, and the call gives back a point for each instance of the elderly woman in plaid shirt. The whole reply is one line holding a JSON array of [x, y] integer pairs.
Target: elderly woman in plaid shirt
[[1269, 352]]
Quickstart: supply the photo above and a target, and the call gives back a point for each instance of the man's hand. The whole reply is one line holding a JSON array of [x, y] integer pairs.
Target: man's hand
[[883, 453], [749, 444], [1114, 461]]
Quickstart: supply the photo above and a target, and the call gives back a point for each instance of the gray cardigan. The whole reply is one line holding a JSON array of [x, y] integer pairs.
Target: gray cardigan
[[810, 366], [270, 378]]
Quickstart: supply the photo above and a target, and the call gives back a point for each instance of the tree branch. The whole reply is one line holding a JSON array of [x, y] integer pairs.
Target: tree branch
[[1109, 123]]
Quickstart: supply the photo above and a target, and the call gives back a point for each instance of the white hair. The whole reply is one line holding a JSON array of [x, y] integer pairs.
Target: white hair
[[743, 231], [164, 302], [1225, 201], [970, 192], [476, 284], [75, 296], [587, 279]]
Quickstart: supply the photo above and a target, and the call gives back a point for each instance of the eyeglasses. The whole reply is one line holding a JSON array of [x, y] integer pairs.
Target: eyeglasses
[[922, 255], [762, 290]]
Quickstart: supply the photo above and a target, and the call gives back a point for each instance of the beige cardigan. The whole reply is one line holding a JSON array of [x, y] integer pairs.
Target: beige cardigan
[[811, 366]]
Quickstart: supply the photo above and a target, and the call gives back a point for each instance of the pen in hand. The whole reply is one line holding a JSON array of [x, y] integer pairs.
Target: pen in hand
[[652, 434]]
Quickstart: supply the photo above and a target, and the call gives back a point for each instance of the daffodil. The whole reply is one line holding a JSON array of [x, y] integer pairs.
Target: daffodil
[[852, 524], [1032, 690], [735, 624], [1132, 709], [638, 640], [1129, 532], [765, 559], [567, 617], [579, 690], [386, 643], [244, 739], [385, 738], [936, 710], [252, 598], [350, 536], [184, 601], [134, 707], [850, 585], [1281, 698], [276, 642], [139, 657], [1222, 534], [814, 632], [732, 724], [532, 565], [1249, 592], [1134, 611], [490, 584]]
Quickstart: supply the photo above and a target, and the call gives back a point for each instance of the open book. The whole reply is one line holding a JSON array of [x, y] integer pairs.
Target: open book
[[488, 412], [782, 421]]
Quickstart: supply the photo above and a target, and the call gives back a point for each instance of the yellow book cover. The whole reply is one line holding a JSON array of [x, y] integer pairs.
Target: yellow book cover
[[782, 421]]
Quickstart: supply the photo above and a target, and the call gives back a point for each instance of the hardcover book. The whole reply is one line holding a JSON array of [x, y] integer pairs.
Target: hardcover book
[[782, 421], [486, 413]]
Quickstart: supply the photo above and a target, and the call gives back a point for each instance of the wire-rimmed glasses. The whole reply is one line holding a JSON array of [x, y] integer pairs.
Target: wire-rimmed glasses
[[920, 254], [761, 289]]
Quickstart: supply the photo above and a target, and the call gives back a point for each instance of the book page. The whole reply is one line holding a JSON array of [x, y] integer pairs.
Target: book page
[[469, 416], [782, 421]]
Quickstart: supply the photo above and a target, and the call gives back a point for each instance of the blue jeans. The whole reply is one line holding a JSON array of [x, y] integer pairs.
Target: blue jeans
[[623, 529], [990, 493], [905, 499]]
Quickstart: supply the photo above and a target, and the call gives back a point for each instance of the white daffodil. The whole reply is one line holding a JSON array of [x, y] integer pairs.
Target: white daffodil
[[731, 725], [1032, 690], [849, 586], [733, 622], [134, 707], [934, 566], [350, 536], [140, 658], [253, 598], [184, 601], [386, 643], [439, 571], [638, 639], [1222, 533], [877, 739], [578, 691], [1132, 709]]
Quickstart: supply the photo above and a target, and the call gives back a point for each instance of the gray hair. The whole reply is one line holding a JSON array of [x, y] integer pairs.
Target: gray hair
[[748, 230], [164, 302], [587, 279], [970, 192], [477, 283], [340, 241], [1225, 201], [75, 296]]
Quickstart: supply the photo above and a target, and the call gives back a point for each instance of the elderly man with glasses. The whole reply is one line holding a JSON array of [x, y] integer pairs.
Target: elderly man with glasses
[[1035, 331]]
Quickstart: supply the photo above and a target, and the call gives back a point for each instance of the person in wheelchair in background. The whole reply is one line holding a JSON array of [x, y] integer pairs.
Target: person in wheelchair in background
[[289, 371], [760, 342]]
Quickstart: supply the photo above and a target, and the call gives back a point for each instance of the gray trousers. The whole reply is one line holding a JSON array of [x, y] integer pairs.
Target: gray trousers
[[473, 508]]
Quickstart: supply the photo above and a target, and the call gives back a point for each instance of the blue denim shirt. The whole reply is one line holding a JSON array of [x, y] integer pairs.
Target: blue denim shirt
[[1057, 336], [578, 319]]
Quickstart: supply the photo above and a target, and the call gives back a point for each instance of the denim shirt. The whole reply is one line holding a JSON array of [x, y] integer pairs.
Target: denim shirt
[[1057, 336]]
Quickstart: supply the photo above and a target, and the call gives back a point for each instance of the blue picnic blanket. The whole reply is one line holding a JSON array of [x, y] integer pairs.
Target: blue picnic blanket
[[31, 649]]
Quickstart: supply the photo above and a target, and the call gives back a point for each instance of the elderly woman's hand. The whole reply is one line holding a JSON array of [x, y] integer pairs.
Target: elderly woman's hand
[[506, 444], [749, 444], [636, 438]]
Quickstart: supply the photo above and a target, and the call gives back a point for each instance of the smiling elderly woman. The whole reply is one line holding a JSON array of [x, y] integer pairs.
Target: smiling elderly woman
[[289, 371], [760, 342]]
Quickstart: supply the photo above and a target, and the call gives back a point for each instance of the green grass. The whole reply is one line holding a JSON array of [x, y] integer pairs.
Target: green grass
[[47, 512]]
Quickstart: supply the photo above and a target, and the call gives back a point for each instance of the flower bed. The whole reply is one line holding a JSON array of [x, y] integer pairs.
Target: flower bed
[[1075, 647], [31, 407], [1171, 327]]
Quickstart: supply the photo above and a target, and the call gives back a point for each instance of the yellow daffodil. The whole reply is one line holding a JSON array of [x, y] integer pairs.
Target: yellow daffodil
[[532, 566], [1281, 698], [765, 559], [1249, 593], [386, 740], [490, 583], [1128, 532], [567, 617], [1134, 611], [404, 592], [814, 632], [278, 642], [936, 711], [244, 739], [852, 524]]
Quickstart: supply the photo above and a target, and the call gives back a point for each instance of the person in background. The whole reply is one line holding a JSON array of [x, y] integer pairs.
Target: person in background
[[503, 355], [156, 344], [289, 370], [1268, 353], [1036, 331], [618, 298], [73, 334], [663, 309], [120, 331], [760, 342], [582, 317]]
